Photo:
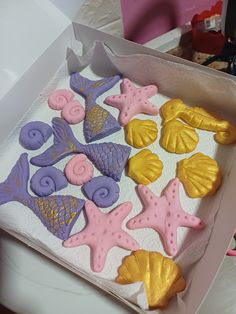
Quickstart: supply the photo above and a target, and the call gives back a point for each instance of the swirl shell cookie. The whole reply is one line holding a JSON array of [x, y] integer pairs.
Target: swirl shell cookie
[[79, 170], [162, 277], [102, 190], [200, 175], [59, 98], [34, 134], [73, 112], [47, 180], [145, 167], [178, 137], [141, 133]]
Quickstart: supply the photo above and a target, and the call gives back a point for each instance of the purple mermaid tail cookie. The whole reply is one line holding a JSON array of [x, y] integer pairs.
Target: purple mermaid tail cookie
[[98, 122], [58, 213], [91, 89], [109, 158]]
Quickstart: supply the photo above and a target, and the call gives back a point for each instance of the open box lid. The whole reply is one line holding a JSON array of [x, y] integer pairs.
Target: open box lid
[[31, 26]]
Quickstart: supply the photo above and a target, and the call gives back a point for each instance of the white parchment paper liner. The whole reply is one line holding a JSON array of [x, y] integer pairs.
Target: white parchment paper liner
[[143, 70]]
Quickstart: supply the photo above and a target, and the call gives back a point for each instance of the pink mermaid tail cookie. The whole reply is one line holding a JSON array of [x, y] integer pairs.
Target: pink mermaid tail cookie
[[133, 101], [109, 158], [164, 214], [58, 213]]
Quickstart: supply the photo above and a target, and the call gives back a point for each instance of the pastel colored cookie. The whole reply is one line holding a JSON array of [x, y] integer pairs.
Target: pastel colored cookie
[[145, 167], [79, 170], [73, 112], [59, 98], [48, 180], [98, 122], [102, 233], [199, 118], [232, 252], [102, 190], [57, 213], [34, 134], [132, 101], [178, 137], [164, 214], [162, 277], [109, 158], [200, 175], [141, 133]]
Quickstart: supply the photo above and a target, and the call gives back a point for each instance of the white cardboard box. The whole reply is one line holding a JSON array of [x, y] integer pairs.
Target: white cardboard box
[[44, 68]]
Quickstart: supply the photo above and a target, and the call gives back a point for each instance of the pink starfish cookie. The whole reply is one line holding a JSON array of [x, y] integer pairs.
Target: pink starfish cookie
[[133, 101], [102, 232], [164, 214]]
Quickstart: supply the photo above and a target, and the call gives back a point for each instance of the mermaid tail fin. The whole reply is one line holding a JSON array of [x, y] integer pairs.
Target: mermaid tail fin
[[64, 144], [109, 158], [14, 188], [86, 87]]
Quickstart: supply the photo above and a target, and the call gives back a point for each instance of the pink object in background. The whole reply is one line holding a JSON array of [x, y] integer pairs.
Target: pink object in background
[[145, 20]]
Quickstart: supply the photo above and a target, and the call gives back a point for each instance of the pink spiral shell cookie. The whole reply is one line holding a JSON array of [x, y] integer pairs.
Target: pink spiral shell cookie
[[59, 98], [73, 112], [79, 170]]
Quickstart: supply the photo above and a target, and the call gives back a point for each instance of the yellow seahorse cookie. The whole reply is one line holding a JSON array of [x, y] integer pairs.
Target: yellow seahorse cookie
[[178, 137], [199, 118], [145, 167], [141, 133], [200, 175]]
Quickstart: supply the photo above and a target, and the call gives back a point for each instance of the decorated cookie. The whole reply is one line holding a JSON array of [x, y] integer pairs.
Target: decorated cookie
[[109, 158], [98, 122], [164, 214], [73, 112], [58, 213], [140, 133], [102, 190], [199, 118], [178, 137], [162, 277], [133, 101], [103, 232], [48, 180], [145, 167], [200, 175], [79, 170], [59, 98], [34, 134]]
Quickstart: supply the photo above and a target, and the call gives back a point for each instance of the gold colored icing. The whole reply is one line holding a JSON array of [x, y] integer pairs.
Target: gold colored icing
[[200, 175], [199, 118], [141, 133], [178, 137], [145, 167], [96, 117], [162, 277]]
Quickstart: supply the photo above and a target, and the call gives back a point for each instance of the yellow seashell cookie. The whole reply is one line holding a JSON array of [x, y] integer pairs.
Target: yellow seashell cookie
[[200, 175], [145, 167], [161, 275], [141, 133], [178, 137]]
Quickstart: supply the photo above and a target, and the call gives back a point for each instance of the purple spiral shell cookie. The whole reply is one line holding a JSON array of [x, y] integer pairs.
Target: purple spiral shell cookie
[[109, 158], [98, 122], [102, 190], [58, 213], [34, 134], [48, 180]]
